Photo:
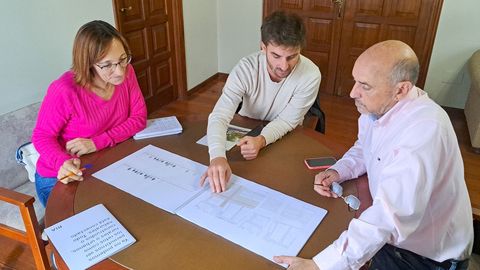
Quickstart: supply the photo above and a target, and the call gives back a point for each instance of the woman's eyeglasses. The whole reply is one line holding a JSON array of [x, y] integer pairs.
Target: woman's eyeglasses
[[110, 67], [352, 201]]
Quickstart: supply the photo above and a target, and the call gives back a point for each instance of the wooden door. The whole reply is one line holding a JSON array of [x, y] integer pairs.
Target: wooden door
[[154, 32], [338, 31], [366, 22], [323, 33]]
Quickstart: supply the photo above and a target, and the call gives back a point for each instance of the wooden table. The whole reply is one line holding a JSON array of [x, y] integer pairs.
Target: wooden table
[[166, 241]]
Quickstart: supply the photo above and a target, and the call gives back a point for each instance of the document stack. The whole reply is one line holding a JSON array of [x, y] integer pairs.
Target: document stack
[[160, 127]]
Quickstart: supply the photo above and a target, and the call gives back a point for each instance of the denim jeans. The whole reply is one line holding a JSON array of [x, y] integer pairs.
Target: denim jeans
[[44, 186], [393, 258]]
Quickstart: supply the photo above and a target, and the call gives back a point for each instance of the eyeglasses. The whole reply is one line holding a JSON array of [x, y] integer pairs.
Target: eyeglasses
[[110, 67], [352, 201]]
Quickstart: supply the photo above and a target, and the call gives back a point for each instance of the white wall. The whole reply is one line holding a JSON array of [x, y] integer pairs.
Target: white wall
[[200, 30], [238, 31], [36, 45], [218, 33], [457, 38]]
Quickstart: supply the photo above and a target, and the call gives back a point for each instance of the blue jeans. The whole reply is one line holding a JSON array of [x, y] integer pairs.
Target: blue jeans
[[393, 258], [44, 186]]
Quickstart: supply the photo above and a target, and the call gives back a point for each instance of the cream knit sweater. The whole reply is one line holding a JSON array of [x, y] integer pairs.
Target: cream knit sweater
[[284, 104]]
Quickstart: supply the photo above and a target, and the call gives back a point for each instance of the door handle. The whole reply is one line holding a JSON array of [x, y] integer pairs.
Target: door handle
[[126, 9], [339, 4]]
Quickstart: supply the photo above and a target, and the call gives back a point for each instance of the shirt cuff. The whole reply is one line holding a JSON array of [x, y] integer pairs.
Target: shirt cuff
[[269, 138], [102, 141], [216, 152], [59, 162], [342, 171], [330, 259]]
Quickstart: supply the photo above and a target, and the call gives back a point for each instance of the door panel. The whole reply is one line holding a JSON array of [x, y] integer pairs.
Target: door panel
[[148, 27], [368, 22], [338, 33], [322, 33]]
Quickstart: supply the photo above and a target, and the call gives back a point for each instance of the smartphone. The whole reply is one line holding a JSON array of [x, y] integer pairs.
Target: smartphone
[[320, 163]]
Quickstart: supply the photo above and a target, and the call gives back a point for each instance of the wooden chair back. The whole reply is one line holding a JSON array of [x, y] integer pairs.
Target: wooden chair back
[[32, 235]]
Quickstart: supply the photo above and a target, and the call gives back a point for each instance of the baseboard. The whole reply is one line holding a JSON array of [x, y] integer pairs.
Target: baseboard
[[222, 76], [218, 76]]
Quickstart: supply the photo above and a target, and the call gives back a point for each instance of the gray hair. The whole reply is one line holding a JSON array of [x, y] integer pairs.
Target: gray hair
[[406, 69]]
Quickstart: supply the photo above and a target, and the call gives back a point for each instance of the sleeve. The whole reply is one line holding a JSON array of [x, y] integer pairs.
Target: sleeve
[[352, 164], [136, 121], [52, 117], [297, 107], [405, 184], [235, 88]]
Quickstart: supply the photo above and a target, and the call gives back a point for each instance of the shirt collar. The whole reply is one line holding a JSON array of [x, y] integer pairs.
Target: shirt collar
[[413, 94]]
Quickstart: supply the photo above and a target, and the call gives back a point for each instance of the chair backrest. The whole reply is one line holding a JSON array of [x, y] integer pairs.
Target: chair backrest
[[16, 128], [317, 111], [32, 235]]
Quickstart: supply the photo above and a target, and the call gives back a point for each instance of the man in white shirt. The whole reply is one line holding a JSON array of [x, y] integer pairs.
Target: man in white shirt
[[276, 84], [421, 214]]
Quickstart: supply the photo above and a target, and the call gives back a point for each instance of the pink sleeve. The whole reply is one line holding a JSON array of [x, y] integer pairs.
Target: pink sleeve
[[53, 115], [136, 121]]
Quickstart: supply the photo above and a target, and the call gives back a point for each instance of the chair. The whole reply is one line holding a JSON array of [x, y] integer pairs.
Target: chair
[[472, 105], [316, 111], [31, 236]]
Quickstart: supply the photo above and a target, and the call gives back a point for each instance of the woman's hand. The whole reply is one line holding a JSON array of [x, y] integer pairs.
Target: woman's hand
[[70, 171], [80, 147]]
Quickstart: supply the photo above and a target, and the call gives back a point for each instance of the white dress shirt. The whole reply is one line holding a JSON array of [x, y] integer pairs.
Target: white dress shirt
[[416, 179]]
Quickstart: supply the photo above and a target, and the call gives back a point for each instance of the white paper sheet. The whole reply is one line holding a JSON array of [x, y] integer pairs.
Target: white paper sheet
[[255, 217], [156, 176], [258, 218], [89, 237]]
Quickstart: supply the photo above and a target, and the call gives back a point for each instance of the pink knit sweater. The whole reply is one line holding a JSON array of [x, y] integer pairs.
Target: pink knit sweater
[[69, 111]]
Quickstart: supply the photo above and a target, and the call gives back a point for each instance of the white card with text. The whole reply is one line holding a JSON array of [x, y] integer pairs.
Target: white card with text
[[89, 237]]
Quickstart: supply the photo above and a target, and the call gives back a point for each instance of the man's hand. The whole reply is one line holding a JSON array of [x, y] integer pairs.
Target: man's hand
[[80, 146], [250, 146], [296, 263], [323, 180], [71, 170], [218, 174]]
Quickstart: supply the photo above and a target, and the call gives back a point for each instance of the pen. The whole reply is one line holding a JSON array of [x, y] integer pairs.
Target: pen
[[87, 166]]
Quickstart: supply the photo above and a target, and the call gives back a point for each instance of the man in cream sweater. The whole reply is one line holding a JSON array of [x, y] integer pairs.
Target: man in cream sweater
[[276, 84]]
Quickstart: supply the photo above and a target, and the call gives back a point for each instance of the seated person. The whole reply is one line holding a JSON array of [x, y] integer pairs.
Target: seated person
[[276, 84], [421, 216], [96, 104]]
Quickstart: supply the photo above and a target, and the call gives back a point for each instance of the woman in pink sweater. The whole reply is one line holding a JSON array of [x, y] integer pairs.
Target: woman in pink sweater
[[96, 104]]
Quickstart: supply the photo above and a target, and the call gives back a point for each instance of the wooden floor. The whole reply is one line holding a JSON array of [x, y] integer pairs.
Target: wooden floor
[[341, 127]]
